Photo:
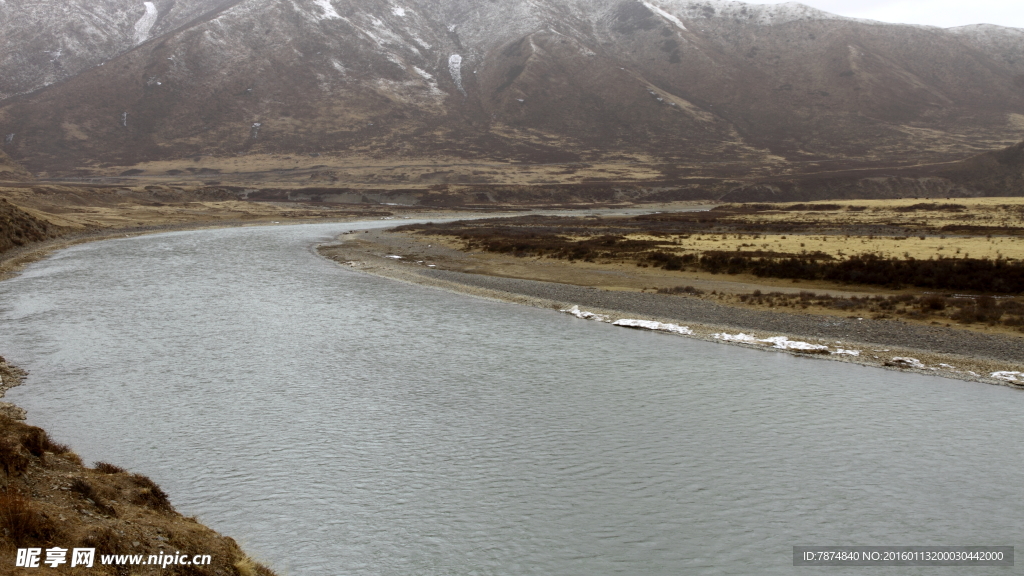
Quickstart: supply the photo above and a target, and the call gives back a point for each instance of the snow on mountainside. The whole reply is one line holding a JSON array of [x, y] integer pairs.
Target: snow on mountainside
[[146, 23], [760, 14], [42, 43], [546, 80], [1007, 44]]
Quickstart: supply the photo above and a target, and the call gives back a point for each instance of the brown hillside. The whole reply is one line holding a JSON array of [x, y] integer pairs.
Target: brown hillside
[[996, 173], [692, 84], [17, 228], [11, 170], [999, 173]]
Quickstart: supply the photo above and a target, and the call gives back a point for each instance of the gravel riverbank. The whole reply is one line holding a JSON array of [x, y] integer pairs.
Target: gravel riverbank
[[949, 352]]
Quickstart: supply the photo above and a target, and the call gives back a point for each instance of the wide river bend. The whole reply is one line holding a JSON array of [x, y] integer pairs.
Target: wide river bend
[[340, 423]]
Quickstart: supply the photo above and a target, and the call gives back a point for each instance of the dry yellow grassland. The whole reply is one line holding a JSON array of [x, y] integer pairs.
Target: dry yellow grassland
[[368, 172], [925, 238]]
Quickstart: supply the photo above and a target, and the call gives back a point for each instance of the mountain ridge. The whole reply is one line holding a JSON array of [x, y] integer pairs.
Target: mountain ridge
[[668, 82]]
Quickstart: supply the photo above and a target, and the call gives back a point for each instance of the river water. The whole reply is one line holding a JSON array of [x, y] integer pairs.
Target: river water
[[339, 423]]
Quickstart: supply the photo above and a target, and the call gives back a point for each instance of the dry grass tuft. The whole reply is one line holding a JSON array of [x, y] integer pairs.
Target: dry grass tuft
[[11, 458], [107, 468], [150, 495], [245, 567], [249, 567], [22, 523]]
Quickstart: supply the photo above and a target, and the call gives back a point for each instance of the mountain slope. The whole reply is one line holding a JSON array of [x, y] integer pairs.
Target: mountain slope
[[42, 43], [672, 82], [10, 170], [999, 173]]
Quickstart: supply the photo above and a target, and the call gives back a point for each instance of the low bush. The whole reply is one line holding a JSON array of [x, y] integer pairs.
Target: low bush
[[681, 290], [13, 461], [37, 442], [150, 494], [108, 468], [22, 522]]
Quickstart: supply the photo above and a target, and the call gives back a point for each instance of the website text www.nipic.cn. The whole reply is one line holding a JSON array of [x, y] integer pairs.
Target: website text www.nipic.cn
[[86, 558]]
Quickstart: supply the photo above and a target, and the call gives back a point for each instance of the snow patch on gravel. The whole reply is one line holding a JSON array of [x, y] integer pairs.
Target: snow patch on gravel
[[656, 326], [741, 337], [783, 343], [584, 315], [1009, 376], [907, 362]]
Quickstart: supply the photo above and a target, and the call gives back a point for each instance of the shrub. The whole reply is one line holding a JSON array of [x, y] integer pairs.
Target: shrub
[[22, 523], [83, 488], [972, 314], [37, 442], [150, 494], [11, 458], [681, 290], [107, 468], [105, 540]]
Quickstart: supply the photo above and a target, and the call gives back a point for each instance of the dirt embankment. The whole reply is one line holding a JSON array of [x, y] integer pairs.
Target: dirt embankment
[[18, 228], [50, 499]]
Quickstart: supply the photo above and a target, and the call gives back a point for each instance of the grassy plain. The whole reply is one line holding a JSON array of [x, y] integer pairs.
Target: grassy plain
[[715, 255], [295, 170], [978, 227], [82, 208]]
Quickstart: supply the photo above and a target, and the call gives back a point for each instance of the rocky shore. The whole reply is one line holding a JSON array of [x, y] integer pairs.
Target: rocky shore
[[934, 350]]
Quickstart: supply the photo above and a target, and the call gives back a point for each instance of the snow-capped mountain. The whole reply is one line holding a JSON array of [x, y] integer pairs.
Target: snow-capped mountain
[[117, 82], [42, 43]]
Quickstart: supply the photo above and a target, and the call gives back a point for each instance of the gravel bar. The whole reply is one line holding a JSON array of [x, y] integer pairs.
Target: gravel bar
[[693, 310]]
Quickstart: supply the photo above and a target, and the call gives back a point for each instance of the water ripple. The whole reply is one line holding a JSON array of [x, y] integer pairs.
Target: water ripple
[[337, 423]]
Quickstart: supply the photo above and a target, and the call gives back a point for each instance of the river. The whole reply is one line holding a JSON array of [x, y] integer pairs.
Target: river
[[335, 422]]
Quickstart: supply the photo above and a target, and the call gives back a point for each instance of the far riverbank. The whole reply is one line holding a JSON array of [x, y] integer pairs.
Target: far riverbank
[[934, 350]]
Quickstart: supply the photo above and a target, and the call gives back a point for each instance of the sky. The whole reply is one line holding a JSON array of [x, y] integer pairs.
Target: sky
[[943, 13]]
